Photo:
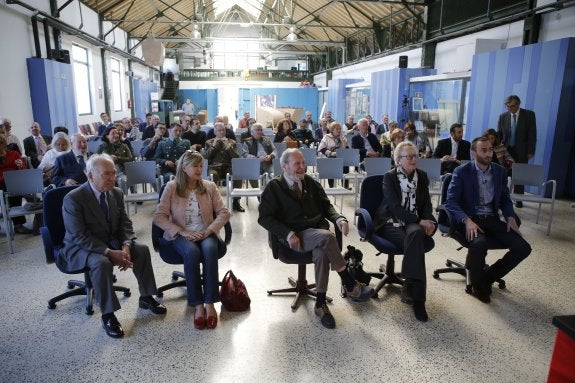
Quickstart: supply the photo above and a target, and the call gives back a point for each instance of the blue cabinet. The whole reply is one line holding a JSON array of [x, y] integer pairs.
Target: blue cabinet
[[52, 94]]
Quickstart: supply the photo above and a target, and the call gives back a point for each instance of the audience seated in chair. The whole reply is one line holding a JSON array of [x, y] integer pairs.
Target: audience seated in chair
[[365, 141], [405, 218], [70, 168], [170, 150], [150, 145], [115, 148], [296, 210], [99, 235], [219, 152], [191, 213], [478, 190], [36, 145], [452, 150], [259, 146]]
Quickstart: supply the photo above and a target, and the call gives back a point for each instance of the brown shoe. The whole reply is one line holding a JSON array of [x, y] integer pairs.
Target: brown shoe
[[327, 320], [360, 292]]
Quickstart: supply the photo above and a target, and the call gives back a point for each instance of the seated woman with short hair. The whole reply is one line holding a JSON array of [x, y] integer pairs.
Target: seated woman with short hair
[[405, 218], [191, 213]]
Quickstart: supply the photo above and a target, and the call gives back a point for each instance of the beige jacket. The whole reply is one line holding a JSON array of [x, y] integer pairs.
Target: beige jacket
[[170, 214]]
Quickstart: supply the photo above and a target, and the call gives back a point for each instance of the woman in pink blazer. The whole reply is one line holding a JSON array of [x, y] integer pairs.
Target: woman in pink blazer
[[191, 213]]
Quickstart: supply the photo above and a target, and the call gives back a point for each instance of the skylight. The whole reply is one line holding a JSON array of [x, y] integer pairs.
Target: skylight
[[253, 7]]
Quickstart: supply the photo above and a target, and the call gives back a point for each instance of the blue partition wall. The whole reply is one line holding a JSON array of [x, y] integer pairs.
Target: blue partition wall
[[142, 97], [388, 88], [336, 97], [542, 75], [305, 98]]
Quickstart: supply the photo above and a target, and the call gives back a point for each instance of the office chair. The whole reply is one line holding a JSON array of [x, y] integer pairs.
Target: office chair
[[281, 251], [369, 200], [169, 255], [448, 229], [53, 239]]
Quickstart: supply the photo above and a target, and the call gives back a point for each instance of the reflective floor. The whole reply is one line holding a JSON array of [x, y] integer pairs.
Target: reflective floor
[[510, 340]]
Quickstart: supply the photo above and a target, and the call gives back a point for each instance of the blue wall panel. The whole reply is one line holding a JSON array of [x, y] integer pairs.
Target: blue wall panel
[[142, 97], [542, 76], [336, 97]]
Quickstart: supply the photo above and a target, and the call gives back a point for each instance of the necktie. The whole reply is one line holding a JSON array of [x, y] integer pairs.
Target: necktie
[[41, 146], [513, 128], [296, 190], [104, 206], [83, 165]]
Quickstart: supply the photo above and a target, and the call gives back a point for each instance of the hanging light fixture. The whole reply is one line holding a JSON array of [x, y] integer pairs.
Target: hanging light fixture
[[196, 35], [291, 35]]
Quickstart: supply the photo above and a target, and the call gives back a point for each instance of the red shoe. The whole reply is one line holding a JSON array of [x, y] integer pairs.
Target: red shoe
[[200, 322], [212, 322]]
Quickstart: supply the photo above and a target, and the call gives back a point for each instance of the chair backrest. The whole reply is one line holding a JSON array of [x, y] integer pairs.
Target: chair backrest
[[280, 148], [376, 165], [54, 221], [371, 193], [527, 174], [245, 168], [24, 181], [331, 168], [277, 167], [442, 216], [350, 156], [310, 156], [93, 145], [139, 172], [137, 146], [205, 168], [432, 166]]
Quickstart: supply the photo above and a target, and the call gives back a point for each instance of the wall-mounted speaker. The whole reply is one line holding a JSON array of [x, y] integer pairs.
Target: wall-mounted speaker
[[403, 61]]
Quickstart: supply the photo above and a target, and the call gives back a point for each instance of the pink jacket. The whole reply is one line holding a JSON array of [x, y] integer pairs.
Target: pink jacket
[[170, 214]]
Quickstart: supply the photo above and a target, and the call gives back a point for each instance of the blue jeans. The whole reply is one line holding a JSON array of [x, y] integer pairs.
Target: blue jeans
[[194, 253]]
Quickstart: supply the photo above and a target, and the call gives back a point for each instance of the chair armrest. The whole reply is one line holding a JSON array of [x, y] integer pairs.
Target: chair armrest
[[364, 224], [228, 233], [544, 188]]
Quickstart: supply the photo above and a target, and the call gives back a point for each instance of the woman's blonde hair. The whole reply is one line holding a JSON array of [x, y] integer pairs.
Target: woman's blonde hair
[[189, 157]]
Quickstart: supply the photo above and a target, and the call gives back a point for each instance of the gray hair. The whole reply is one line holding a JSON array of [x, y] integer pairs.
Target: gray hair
[[401, 146], [255, 125], [75, 136], [95, 160], [286, 155], [60, 136]]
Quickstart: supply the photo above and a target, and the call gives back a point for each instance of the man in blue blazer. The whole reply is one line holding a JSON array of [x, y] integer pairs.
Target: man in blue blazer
[[477, 192], [517, 130], [70, 168], [366, 142], [99, 235], [452, 150]]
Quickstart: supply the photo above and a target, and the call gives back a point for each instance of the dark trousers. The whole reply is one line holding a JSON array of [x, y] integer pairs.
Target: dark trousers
[[518, 189], [409, 239], [494, 233]]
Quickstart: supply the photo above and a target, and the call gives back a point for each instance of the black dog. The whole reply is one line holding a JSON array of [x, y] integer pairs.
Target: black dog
[[353, 258]]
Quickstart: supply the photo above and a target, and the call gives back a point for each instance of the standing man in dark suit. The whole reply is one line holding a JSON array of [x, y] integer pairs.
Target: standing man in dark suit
[[478, 190], [452, 150], [70, 168], [517, 130], [366, 142], [99, 235], [36, 145]]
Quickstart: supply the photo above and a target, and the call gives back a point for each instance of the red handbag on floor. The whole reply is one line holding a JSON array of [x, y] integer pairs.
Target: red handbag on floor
[[233, 293]]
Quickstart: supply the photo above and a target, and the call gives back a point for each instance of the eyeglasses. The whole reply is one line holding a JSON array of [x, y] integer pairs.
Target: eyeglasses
[[409, 156]]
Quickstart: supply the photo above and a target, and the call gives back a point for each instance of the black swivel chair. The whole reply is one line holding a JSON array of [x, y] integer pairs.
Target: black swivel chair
[[53, 233], [369, 200], [169, 255], [447, 229], [300, 287]]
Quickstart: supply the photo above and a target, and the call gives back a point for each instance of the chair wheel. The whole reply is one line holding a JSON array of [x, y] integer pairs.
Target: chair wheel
[[127, 293], [114, 279], [468, 289], [51, 306], [70, 286], [448, 263], [160, 294], [436, 275], [502, 285], [174, 278], [89, 310]]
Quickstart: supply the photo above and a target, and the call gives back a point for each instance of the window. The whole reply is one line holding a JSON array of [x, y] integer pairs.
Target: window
[[116, 80], [82, 80]]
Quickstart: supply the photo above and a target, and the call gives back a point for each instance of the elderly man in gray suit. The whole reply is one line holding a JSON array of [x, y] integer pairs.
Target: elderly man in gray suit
[[99, 236]]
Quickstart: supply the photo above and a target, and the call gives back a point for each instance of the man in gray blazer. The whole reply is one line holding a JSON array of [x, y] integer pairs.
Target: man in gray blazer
[[99, 236], [517, 130]]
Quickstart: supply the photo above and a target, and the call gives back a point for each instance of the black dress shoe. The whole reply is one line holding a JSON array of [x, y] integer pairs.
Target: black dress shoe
[[481, 294], [113, 327], [519, 204], [327, 320], [21, 229], [153, 305], [419, 311], [238, 207], [406, 294]]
